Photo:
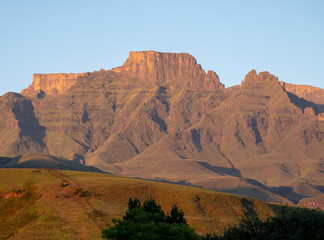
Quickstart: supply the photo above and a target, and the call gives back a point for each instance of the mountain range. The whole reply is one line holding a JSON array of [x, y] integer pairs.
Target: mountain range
[[161, 117]]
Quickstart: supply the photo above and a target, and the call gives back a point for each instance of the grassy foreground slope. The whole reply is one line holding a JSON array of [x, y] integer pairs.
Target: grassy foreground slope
[[78, 205]]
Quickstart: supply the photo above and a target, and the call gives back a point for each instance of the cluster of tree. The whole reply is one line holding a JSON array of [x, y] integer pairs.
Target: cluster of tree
[[291, 223], [150, 222]]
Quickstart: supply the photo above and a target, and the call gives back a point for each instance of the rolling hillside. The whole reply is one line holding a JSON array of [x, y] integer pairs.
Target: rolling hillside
[[52, 204]]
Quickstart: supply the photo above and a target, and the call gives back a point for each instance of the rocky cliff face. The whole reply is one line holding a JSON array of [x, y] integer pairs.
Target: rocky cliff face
[[96, 113], [161, 116], [252, 78], [51, 83], [309, 93], [168, 70], [20, 131], [172, 70], [313, 203]]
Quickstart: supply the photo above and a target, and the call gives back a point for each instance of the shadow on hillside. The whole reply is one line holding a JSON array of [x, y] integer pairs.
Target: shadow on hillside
[[249, 206], [223, 171], [283, 191], [320, 108], [320, 188], [28, 123], [287, 192], [4, 161], [302, 103], [161, 180]]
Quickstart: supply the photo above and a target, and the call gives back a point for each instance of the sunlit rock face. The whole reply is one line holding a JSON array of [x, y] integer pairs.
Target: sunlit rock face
[[124, 110], [309, 93], [314, 203], [173, 70], [253, 78], [51, 83]]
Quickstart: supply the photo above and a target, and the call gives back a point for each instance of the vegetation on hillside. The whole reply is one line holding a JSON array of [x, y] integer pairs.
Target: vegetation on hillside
[[16, 210], [79, 205], [53, 204], [292, 223], [149, 222]]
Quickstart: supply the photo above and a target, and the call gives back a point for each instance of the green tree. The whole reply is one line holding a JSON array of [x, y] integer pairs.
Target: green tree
[[133, 203], [148, 222], [176, 215], [292, 223]]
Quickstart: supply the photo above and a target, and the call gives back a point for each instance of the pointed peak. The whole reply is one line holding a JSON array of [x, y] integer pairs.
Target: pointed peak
[[266, 76], [252, 72], [211, 74], [212, 79], [252, 78]]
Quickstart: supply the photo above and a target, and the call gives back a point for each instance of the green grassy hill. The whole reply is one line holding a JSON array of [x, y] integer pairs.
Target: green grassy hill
[[78, 205]]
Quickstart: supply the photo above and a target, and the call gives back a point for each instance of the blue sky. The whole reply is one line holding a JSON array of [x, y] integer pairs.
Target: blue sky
[[285, 38]]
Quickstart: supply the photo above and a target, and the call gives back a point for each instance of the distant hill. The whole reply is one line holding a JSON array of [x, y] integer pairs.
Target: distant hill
[[44, 161], [160, 116], [52, 204]]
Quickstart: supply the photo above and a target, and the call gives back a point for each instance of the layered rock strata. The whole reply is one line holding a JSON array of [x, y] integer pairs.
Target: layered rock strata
[[51, 83], [169, 70], [161, 116]]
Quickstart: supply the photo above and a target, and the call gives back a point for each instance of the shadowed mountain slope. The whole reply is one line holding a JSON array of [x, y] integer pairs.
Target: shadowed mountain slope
[[160, 116], [309, 93]]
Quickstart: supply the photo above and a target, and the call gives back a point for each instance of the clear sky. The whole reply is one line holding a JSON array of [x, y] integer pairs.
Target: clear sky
[[283, 37]]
